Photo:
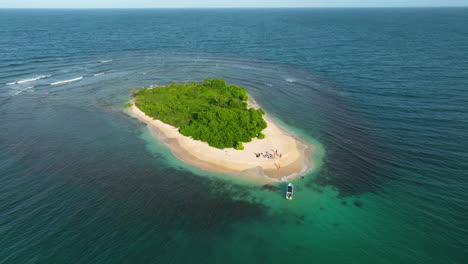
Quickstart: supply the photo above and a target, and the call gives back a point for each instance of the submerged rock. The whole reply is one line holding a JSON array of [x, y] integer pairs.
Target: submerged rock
[[358, 203]]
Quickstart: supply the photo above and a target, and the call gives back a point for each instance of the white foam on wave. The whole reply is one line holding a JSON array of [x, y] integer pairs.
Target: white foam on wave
[[104, 61], [97, 74], [67, 81], [29, 88], [269, 84], [29, 80], [291, 80]]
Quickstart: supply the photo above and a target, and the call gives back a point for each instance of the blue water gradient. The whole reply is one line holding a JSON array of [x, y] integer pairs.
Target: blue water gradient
[[384, 91]]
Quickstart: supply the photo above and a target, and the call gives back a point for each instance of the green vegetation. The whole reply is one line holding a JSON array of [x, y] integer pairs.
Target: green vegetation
[[261, 135], [212, 111], [239, 146], [128, 104]]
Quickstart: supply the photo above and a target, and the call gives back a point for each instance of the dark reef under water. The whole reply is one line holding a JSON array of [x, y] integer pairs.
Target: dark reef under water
[[383, 91]]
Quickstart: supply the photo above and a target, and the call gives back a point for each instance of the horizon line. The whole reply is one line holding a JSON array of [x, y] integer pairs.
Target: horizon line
[[240, 7]]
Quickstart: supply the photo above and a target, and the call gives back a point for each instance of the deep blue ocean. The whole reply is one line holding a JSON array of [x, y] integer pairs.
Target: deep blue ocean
[[383, 92]]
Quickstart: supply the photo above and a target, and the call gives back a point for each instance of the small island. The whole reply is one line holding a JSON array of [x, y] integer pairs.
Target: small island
[[214, 126]]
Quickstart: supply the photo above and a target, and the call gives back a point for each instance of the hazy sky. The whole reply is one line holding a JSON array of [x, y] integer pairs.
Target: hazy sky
[[224, 3]]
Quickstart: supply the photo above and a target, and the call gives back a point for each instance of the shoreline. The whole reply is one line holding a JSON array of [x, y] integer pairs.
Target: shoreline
[[285, 156]]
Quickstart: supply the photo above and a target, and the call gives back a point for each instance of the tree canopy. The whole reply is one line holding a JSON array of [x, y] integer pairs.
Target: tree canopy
[[212, 111]]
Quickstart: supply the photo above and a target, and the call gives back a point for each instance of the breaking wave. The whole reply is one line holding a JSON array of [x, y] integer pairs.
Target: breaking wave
[[22, 90], [67, 81], [28, 80]]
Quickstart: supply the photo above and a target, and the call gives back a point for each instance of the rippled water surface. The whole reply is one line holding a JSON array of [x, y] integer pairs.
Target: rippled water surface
[[383, 92]]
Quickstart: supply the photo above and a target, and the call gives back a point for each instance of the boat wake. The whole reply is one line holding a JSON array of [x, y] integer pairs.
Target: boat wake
[[67, 81]]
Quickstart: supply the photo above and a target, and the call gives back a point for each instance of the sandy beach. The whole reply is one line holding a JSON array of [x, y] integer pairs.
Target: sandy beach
[[278, 157]]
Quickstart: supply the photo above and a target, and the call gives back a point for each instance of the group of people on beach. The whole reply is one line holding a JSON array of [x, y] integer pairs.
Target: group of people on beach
[[269, 155]]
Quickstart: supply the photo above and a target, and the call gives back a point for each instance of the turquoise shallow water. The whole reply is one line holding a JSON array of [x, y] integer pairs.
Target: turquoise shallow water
[[382, 90]]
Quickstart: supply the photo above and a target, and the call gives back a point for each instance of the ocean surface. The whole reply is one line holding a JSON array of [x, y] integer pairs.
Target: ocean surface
[[382, 92]]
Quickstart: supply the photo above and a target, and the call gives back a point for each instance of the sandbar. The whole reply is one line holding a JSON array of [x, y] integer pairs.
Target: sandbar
[[280, 156]]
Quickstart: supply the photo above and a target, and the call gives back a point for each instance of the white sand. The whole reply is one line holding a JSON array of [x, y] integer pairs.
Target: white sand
[[293, 163]]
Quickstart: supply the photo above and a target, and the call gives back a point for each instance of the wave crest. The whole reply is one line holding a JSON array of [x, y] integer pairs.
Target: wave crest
[[67, 81], [29, 80]]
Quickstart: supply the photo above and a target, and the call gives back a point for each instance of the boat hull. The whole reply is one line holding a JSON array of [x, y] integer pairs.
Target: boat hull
[[289, 191]]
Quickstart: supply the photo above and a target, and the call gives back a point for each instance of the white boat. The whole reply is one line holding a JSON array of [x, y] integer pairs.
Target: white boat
[[289, 192]]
